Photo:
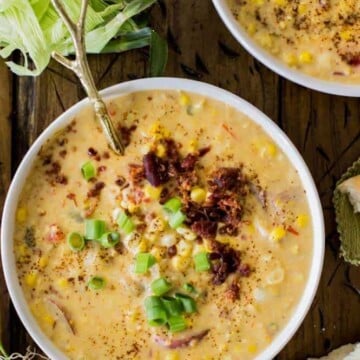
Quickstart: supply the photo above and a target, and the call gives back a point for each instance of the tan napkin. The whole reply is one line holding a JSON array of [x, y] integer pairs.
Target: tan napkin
[[346, 352]]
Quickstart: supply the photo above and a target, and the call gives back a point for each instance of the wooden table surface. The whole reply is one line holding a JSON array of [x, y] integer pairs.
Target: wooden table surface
[[324, 128]]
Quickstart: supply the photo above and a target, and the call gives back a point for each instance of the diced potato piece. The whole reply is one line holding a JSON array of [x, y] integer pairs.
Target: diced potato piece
[[157, 225], [276, 276], [167, 240], [184, 248], [187, 233]]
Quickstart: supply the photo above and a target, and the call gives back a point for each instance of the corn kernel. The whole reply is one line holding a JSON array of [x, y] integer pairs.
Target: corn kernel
[[180, 263], [160, 150], [142, 246], [290, 59], [152, 192], [184, 248], [174, 355], [31, 279], [184, 99], [302, 220], [134, 316], [266, 41], [21, 250], [193, 145], [43, 261], [277, 233], [280, 2], [48, 319], [302, 8], [258, 2], [198, 195], [346, 35], [305, 58], [62, 283], [252, 348], [158, 131], [251, 28], [21, 214]]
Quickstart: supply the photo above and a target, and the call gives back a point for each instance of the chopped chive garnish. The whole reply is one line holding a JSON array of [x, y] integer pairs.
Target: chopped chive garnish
[[88, 170], [189, 288], [109, 239], [202, 262], [187, 302], [94, 229], [125, 223], [96, 283], [172, 305], [160, 286], [144, 261], [75, 241], [172, 205], [176, 219], [177, 323], [156, 316]]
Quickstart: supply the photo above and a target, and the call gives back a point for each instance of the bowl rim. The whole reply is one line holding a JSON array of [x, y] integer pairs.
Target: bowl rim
[[280, 138], [274, 64]]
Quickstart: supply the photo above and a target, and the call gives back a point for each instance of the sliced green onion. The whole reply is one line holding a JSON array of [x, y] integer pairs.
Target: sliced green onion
[[187, 302], [155, 311], [176, 219], [177, 323], [156, 316], [109, 239], [152, 301], [94, 229], [125, 223], [96, 283], [76, 241], [172, 305], [160, 286], [202, 262], [144, 261], [88, 170], [172, 205], [189, 288]]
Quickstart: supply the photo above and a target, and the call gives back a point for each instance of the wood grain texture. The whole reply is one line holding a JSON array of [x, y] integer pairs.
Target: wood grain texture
[[324, 128]]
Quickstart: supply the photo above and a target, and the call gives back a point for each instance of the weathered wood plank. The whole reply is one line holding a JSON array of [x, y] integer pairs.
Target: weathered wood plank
[[5, 175]]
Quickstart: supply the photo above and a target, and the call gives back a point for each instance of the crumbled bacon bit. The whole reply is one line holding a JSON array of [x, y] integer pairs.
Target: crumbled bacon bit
[[61, 179], [156, 170], [172, 251], [205, 228], [62, 153], [101, 168], [228, 229], [244, 270], [136, 173], [203, 151], [189, 162], [55, 169], [106, 155], [120, 181], [96, 189], [92, 152], [233, 291], [226, 260], [72, 196], [291, 230], [126, 133]]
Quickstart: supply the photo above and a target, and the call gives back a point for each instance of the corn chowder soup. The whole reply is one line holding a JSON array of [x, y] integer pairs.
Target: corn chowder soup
[[318, 37], [194, 245]]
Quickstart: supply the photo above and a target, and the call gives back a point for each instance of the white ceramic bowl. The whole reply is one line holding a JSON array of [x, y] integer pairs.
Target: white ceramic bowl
[[8, 222], [329, 87]]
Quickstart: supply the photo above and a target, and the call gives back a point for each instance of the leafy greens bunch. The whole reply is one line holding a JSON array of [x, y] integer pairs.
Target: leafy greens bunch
[[35, 29]]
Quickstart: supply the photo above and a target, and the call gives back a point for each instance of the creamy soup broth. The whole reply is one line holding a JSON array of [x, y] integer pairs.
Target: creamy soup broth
[[320, 38], [237, 317]]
